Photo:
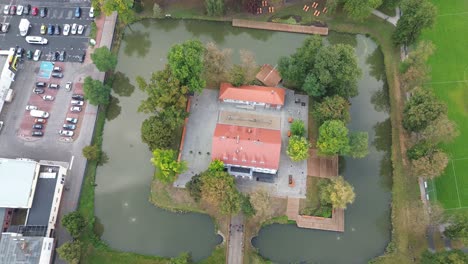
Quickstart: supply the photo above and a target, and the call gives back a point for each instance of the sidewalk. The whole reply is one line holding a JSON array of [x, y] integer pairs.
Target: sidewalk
[[391, 20]]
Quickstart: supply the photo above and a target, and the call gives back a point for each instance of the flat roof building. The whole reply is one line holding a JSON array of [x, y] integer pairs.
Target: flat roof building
[[18, 178], [18, 249]]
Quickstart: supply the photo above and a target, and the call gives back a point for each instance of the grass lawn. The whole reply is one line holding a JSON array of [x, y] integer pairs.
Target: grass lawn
[[449, 66]]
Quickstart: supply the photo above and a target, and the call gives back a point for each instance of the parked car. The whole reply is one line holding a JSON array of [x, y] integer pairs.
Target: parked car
[[62, 56], [66, 29], [34, 11], [57, 75], [41, 84], [1, 125], [68, 86], [91, 12], [76, 102], [19, 10], [82, 56], [74, 28], [40, 120], [69, 126], [31, 107], [57, 30], [48, 98], [80, 29], [57, 69], [77, 12], [43, 29], [55, 56], [54, 86], [6, 9], [72, 120], [66, 133], [38, 91], [37, 55], [5, 27], [37, 126], [19, 52], [75, 109], [29, 54], [78, 97], [50, 29], [37, 133], [27, 9], [43, 12], [12, 10]]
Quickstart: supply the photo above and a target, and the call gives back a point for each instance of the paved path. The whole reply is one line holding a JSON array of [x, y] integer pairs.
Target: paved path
[[391, 20], [236, 240]]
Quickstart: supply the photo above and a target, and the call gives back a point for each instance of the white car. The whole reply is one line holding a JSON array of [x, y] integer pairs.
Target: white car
[[91, 12], [37, 55], [1, 125], [19, 10], [80, 29], [48, 98], [66, 29], [74, 28], [72, 120], [76, 102], [31, 107], [66, 133], [6, 9], [68, 86], [75, 109]]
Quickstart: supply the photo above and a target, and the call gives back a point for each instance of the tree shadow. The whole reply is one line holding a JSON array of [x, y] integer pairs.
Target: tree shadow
[[376, 64], [113, 109], [383, 137], [380, 99], [207, 28], [121, 85], [167, 24], [136, 42]]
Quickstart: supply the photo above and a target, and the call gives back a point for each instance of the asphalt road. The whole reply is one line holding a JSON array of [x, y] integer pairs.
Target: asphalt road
[[59, 13], [236, 240]]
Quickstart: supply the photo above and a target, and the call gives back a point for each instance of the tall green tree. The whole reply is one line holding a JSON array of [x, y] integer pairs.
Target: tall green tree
[[458, 228], [183, 258], [165, 160], [70, 252], [96, 92], [454, 256], [358, 145], [338, 192], [441, 130], [123, 8], [219, 189], [360, 9], [214, 7], [417, 15], [298, 148], [186, 63], [157, 133], [298, 128], [75, 223], [421, 109], [415, 71], [92, 152], [430, 166], [216, 165], [104, 59], [237, 75], [332, 108], [333, 138]]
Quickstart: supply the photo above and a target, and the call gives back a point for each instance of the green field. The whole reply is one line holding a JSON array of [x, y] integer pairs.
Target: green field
[[449, 71]]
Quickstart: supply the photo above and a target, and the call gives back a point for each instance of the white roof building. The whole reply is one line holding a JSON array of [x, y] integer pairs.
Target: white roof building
[[18, 179]]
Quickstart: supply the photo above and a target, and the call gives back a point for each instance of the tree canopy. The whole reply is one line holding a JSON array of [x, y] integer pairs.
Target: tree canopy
[[158, 133], [421, 109], [123, 8], [458, 228], [333, 138], [74, 222], [417, 15], [186, 63], [217, 64], [219, 189], [360, 9], [332, 108], [298, 128], [431, 165], [92, 152], [441, 129], [104, 59], [96, 92], [358, 144], [70, 252], [214, 7], [337, 192], [168, 167], [454, 256], [415, 71], [298, 148]]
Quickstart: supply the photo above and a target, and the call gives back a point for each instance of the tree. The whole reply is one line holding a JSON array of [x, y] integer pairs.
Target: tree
[[249, 65], [104, 59], [360, 9], [157, 133], [164, 91], [246, 206], [358, 145], [194, 187], [333, 138], [70, 252], [414, 69], [298, 128], [421, 149], [219, 189], [168, 167], [186, 63], [298, 148], [458, 228], [96, 92], [216, 165], [421, 109], [157, 11], [261, 202], [417, 15], [92, 152], [74, 222], [217, 63], [430, 166], [454, 256], [441, 130], [332, 108], [337, 192], [214, 7], [123, 8], [237, 75]]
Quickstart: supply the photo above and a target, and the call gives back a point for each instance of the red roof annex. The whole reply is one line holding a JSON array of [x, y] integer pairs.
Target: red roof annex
[[252, 93], [245, 146]]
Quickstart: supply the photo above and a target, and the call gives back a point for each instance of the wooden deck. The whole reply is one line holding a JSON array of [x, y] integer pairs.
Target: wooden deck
[[280, 27], [324, 167]]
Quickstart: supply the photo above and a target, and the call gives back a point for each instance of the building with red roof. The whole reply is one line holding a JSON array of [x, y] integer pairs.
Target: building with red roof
[[268, 97]]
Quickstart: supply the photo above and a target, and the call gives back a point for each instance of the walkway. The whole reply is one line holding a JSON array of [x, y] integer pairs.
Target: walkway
[[323, 167], [391, 20], [280, 27], [236, 240]]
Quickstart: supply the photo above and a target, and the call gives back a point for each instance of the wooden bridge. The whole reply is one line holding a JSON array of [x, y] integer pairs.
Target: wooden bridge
[[280, 27]]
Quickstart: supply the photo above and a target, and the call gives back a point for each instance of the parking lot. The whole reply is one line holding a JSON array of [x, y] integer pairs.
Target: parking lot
[[59, 13]]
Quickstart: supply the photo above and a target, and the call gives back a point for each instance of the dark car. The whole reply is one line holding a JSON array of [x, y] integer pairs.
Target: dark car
[[81, 57], [12, 10], [34, 11], [62, 56], [55, 56], [29, 54], [77, 12], [79, 97], [37, 126], [37, 134], [50, 29], [43, 12], [19, 52], [57, 30], [27, 9], [57, 75], [41, 84], [69, 126], [38, 90]]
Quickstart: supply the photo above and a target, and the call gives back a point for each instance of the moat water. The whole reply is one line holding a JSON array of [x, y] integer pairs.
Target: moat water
[[131, 223]]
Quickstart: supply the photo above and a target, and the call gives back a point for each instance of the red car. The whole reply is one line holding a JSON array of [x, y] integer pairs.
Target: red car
[[35, 11], [12, 10]]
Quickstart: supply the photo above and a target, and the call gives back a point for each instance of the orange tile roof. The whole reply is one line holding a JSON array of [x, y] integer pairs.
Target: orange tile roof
[[245, 146], [252, 93], [268, 75]]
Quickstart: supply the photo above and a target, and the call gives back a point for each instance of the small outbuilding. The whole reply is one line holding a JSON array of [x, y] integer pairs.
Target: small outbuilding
[[268, 75]]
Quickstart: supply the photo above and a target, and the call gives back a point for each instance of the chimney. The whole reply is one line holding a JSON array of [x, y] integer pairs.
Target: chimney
[[237, 139]]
